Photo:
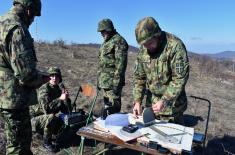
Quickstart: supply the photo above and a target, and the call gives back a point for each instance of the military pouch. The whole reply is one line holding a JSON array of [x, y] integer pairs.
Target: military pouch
[[155, 146]]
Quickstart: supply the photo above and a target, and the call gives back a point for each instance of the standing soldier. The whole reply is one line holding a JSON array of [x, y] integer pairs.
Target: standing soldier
[[161, 71], [53, 98], [112, 66], [18, 75]]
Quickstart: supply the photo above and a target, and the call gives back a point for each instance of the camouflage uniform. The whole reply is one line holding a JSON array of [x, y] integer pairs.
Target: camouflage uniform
[[18, 78], [163, 75], [112, 66], [45, 118]]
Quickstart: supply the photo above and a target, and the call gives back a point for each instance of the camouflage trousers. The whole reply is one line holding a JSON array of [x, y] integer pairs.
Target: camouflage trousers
[[112, 99], [18, 131], [47, 125]]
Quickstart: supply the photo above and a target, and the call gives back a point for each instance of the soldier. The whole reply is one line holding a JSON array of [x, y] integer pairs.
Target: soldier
[[161, 71], [53, 98], [112, 66], [19, 77]]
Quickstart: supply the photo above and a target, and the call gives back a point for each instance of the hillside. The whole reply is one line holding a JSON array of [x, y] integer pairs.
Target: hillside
[[209, 79], [228, 55]]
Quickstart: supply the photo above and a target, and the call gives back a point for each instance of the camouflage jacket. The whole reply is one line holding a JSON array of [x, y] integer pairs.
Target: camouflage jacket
[[49, 102], [112, 62], [18, 74], [163, 76]]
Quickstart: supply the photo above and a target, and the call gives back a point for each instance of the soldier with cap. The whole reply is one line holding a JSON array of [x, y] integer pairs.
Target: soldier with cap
[[53, 99], [112, 66], [19, 77], [161, 71]]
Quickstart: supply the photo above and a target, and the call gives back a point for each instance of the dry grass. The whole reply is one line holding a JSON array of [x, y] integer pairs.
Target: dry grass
[[79, 66]]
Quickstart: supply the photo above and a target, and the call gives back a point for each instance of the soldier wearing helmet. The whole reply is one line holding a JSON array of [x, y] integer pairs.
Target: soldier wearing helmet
[[55, 71], [161, 72], [19, 77], [28, 9], [112, 66], [53, 99]]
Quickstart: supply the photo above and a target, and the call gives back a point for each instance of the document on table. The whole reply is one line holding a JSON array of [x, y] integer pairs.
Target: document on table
[[182, 136], [168, 135], [117, 131]]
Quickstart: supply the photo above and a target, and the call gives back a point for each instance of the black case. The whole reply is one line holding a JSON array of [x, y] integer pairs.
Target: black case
[[130, 128]]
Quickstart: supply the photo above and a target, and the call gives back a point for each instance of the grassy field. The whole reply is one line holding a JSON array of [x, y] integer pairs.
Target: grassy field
[[79, 66]]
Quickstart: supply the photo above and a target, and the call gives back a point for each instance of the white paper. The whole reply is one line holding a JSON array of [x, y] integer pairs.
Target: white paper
[[117, 131], [184, 135]]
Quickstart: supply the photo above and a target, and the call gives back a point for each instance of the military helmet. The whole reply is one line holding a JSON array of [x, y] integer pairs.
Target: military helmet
[[105, 24], [55, 71], [146, 29], [34, 4]]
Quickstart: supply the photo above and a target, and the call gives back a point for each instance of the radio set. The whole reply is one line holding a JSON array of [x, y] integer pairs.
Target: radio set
[[73, 118]]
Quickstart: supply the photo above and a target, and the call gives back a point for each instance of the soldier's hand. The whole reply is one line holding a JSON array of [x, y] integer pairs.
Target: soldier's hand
[[66, 92], [137, 109], [63, 96], [158, 107]]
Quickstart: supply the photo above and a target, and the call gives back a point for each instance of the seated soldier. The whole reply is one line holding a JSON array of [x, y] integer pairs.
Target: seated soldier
[[53, 99]]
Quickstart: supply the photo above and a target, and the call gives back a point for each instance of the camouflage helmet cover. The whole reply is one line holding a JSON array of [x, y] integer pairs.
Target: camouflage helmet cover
[[34, 4], [146, 29], [55, 71], [105, 24]]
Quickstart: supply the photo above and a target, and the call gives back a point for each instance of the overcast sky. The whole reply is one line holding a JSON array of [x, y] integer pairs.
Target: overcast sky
[[205, 26]]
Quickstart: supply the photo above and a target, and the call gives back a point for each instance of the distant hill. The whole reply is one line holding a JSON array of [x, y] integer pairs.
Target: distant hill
[[223, 55]]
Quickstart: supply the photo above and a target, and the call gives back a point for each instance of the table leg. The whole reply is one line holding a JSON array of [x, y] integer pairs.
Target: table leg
[[81, 147], [94, 147], [68, 151], [103, 151], [106, 148]]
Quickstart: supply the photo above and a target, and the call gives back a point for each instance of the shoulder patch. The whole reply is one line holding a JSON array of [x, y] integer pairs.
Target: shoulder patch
[[179, 67]]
